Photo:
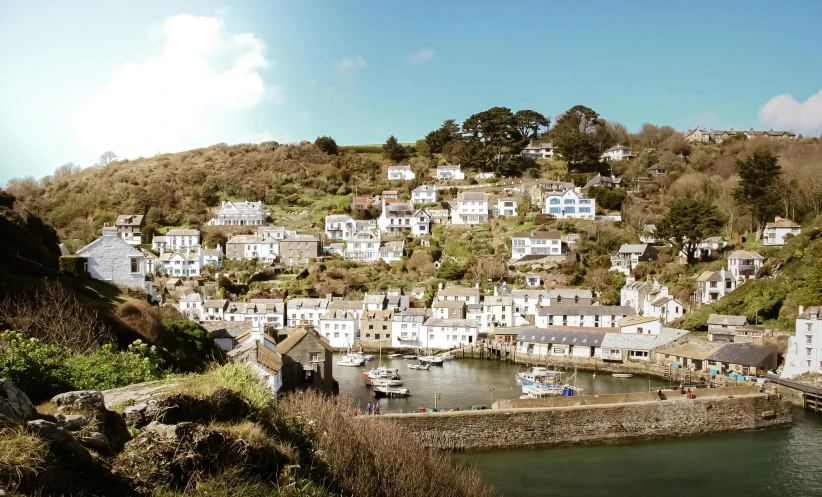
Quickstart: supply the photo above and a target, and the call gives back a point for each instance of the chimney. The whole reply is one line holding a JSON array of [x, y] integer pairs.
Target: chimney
[[801, 309], [476, 286], [440, 286], [109, 231]]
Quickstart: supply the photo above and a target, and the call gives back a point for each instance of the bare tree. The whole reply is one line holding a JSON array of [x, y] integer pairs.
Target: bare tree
[[55, 316], [107, 157]]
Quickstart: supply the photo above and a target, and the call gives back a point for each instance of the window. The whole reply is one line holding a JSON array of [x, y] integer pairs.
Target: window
[[336, 334], [808, 340], [135, 265], [315, 357], [808, 351]]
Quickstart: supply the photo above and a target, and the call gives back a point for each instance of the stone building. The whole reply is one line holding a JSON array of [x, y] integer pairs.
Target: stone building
[[306, 359], [297, 250], [111, 259]]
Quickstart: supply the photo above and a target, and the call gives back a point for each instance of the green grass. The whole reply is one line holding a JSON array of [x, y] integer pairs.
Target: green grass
[[234, 377], [165, 229]]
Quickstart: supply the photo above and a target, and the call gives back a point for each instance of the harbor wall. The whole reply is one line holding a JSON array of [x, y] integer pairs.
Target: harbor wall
[[619, 398], [594, 424]]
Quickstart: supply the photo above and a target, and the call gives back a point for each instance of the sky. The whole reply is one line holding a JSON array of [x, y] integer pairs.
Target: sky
[[140, 78]]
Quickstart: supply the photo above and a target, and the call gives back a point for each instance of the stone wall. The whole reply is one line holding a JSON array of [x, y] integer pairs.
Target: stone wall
[[600, 424]]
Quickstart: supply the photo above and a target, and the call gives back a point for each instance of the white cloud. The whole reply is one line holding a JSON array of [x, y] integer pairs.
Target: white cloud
[[421, 56], [347, 65], [784, 112], [170, 102]]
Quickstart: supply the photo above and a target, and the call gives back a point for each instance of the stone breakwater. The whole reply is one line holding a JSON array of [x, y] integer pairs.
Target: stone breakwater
[[594, 424]]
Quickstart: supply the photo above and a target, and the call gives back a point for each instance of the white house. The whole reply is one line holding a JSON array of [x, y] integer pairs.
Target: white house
[[366, 246], [259, 313], [424, 194], [130, 226], [421, 223], [618, 152], [181, 263], [249, 247], [640, 325], [450, 172], [274, 232], [240, 214], [709, 248], [804, 354], [662, 305], [713, 285], [630, 255], [212, 256], [181, 239], [505, 206], [472, 208], [467, 295], [407, 329], [439, 216], [340, 328], [589, 316], [449, 333], [400, 173], [775, 232], [396, 217], [744, 265], [497, 312], [535, 243], [633, 293], [482, 176], [339, 226], [214, 310], [538, 150], [569, 204], [111, 259], [648, 234], [301, 311]]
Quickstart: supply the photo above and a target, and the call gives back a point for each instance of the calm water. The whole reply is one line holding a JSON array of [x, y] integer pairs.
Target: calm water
[[466, 383], [775, 463]]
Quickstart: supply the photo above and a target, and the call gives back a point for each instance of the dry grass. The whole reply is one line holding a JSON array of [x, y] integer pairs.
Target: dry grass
[[234, 377], [375, 457], [21, 454]]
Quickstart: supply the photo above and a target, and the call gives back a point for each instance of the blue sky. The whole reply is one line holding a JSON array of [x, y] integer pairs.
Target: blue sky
[[169, 76]]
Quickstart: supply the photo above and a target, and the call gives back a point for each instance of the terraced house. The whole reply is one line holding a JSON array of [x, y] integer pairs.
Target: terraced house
[[472, 208]]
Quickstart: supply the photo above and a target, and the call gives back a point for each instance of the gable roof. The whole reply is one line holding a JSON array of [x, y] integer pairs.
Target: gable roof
[[586, 310], [782, 223], [538, 235], [633, 320], [296, 337], [744, 254], [542, 335], [183, 232], [473, 197], [727, 320], [633, 248], [129, 220], [110, 239], [745, 354]]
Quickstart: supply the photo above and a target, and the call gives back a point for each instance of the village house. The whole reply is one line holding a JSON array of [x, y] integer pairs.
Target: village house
[[449, 309], [565, 296], [307, 362], [589, 316], [723, 328], [744, 265], [528, 302], [661, 304], [556, 342], [657, 170], [227, 334], [804, 354], [542, 243], [181, 239], [259, 313], [339, 227], [191, 306], [214, 310], [648, 234], [375, 326], [355, 307], [449, 333], [640, 325], [424, 194], [421, 223], [250, 247], [708, 249], [306, 311], [340, 328], [152, 262], [439, 216], [390, 195], [484, 176], [569, 204], [257, 351], [183, 263], [775, 232], [111, 259], [738, 359], [450, 172], [497, 311], [472, 209], [298, 250], [610, 182], [633, 294], [467, 295], [239, 214], [713, 285], [130, 228], [212, 256], [418, 292], [277, 233], [400, 173], [618, 152], [623, 347], [718, 136], [630, 255], [533, 280], [367, 247], [360, 204], [538, 150], [407, 329], [505, 206], [396, 218]]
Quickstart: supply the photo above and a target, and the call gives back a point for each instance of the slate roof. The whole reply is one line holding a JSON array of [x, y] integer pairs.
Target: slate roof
[[301, 238], [296, 337], [722, 319], [217, 304], [636, 248], [568, 336], [586, 310], [411, 316], [182, 232], [458, 291], [191, 297], [745, 354], [694, 350], [345, 305], [491, 300], [531, 294], [129, 220], [709, 276], [457, 323], [473, 197], [569, 293], [539, 235], [337, 218], [306, 303], [633, 320], [339, 314], [782, 223], [232, 328], [744, 254], [449, 304], [241, 239]]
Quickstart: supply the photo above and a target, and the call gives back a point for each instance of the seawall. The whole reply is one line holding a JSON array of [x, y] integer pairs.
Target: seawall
[[594, 424]]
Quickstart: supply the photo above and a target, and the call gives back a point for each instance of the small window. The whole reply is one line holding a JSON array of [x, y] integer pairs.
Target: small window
[[135, 265], [315, 357]]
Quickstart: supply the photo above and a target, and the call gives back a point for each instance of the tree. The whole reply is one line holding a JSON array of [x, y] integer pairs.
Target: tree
[[326, 144], [422, 148], [492, 136], [758, 190], [451, 270], [437, 139], [528, 123], [107, 158], [393, 150], [574, 136], [687, 223]]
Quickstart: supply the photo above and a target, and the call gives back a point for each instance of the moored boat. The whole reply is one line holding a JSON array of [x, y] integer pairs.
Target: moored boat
[[622, 375], [392, 356], [538, 374], [350, 360], [391, 392], [424, 367], [386, 382], [430, 359], [409, 356], [448, 356], [382, 372]]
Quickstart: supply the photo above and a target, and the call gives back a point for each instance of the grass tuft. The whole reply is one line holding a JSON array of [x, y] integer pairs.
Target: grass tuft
[[20, 453]]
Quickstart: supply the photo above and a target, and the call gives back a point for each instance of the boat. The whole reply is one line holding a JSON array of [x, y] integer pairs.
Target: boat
[[393, 356], [391, 392], [350, 360], [386, 382], [622, 375], [409, 356], [430, 359], [538, 374], [448, 356], [542, 391], [382, 372], [424, 367], [367, 358]]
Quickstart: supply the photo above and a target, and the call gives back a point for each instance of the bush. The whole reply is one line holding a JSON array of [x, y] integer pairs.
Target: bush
[[73, 265], [109, 368], [451, 270], [195, 340]]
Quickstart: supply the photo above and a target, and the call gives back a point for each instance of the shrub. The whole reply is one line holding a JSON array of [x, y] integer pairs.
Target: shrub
[[36, 368], [73, 265], [195, 341], [108, 368]]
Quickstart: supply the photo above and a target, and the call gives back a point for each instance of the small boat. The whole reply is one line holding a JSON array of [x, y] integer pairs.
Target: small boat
[[538, 374], [350, 360], [382, 372], [393, 356], [430, 359], [556, 390], [424, 367], [409, 356], [448, 356], [622, 375], [391, 392], [367, 358], [386, 382]]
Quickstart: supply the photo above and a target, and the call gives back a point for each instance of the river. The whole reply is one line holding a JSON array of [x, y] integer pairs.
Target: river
[[776, 463]]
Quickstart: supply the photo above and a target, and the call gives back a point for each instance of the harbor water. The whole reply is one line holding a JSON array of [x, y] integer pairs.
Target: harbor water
[[465, 383], [783, 462]]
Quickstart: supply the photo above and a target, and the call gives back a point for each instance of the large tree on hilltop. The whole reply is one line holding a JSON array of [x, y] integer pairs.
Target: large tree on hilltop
[[393, 150], [437, 139], [326, 144], [758, 190], [687, 223], [574, 136], [492, 134], [529, 123]]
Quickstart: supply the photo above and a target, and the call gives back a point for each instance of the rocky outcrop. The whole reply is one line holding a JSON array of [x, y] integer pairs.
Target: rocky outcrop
[[71, 422], [221, 405], [15, 406], [81, 399], [61, 442]]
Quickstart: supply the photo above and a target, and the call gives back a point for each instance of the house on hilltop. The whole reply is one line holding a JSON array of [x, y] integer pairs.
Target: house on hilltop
[[130, 227], [630, 255], [569, 204], [618, 152], [400, 173], [775, 232], [239, 214], [450, 172], [538, 150], [472, 209]]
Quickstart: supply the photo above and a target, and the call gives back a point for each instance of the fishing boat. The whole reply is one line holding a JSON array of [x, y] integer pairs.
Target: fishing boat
[[409, 357], [542, 391], [448, 356], [622, 375], [382, 372], [394, 356], [538, 374], [391, 392], [368, 358], [424, 367], [350, 360], [430, 359], [386, 382]]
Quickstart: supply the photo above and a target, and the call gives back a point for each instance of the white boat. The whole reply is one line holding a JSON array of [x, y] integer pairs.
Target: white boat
[[382, 372], [448, 356], [424, 367], [391, 392], [430, 359], [386, 382], [622, 375], [539, 391], [392, 356], [538, 374], [367, 358], [350, 360]]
